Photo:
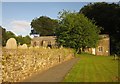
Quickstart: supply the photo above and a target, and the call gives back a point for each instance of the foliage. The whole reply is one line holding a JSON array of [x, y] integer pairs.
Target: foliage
[[43, 26], [8, 34], [27, 40], [23, 40], [76, 31], [108, 17], [2, 30]]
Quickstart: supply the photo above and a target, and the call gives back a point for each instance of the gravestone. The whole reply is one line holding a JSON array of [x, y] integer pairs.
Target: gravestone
[[36, 47], [61, 47], [11, 44], [19, 47], [24, 46], [30, 47]]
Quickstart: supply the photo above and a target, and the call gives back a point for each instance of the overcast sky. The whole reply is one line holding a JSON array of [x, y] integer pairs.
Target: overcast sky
[[17, 16]]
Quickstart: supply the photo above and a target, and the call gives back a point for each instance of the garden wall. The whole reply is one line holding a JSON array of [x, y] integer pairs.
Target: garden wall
[[19, 64]]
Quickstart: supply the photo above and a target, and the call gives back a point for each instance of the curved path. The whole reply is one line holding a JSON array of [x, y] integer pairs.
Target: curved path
[[54, 74]]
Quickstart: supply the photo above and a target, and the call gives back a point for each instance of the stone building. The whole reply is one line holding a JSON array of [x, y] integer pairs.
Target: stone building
[[45, 41], [103, 46]]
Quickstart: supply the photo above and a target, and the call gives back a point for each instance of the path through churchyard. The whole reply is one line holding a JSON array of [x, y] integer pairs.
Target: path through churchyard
[[54, 74]]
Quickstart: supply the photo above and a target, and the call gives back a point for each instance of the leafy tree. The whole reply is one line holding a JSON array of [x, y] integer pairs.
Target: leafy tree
[[43, 26], [76, 31], [20, 40], [6, 35], [3, 35], [27, 40], [23, 40], [108, 17], [10, 34]]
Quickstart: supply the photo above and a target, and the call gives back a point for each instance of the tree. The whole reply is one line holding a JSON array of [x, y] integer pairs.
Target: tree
[[3, 35], [27, 40], [20, 40], [76, 31], [23, 40], [10, 34], [6, 35], [43, 26], [108, 17]]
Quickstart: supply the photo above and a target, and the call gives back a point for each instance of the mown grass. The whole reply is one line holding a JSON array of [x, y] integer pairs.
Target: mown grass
[[92, 68]]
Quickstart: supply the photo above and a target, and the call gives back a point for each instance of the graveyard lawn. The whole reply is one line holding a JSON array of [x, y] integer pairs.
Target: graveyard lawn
[[94, 69]]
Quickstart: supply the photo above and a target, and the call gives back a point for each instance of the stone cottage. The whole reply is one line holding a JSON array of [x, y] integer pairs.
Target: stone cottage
[[103, 46], [45, 41]]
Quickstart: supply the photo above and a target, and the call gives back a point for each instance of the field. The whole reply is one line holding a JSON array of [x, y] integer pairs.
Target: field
[[94, 69]]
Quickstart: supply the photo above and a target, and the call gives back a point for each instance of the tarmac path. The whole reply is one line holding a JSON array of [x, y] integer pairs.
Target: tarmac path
[[54, 74]]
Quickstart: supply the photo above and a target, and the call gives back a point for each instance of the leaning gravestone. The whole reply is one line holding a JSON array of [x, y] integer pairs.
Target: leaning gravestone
[[24, 46], [11, 44]]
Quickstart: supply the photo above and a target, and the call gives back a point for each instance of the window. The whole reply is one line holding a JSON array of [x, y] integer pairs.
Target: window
[[100, 49]]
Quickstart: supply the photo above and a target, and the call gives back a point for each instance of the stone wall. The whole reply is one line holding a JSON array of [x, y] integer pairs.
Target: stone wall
[[19, 64]]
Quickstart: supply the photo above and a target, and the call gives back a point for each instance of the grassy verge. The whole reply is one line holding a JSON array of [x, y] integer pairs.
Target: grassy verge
[[92, 68]]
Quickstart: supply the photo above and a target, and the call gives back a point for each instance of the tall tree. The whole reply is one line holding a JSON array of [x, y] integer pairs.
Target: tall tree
[[108, 17], [3, 31], [76, 31], [6, 35], [23, 40], [27, 40], [43, 26], [10, 34]]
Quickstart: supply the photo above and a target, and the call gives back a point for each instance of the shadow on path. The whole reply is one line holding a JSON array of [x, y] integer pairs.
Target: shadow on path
[[54, 74]]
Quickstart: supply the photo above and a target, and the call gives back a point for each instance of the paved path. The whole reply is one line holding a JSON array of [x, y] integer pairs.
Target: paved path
[[54, 74]]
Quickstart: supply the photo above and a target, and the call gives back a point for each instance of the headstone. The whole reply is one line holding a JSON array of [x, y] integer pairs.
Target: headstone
[[61, 47], [49, 48], [11, 44], [36, 47], [30, 47], [24, 46], [19, 47]]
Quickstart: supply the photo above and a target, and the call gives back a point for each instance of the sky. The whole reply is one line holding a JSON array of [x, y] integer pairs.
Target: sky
[[59, 0], [17, 16]]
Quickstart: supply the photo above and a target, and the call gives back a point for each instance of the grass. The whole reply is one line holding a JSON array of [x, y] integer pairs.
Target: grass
[[92, 68]]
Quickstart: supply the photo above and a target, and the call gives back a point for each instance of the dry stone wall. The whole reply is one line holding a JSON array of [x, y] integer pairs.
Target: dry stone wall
[[19, 64]]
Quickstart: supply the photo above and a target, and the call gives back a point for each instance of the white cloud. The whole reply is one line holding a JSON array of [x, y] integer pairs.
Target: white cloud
[[20, 27], [22, 23]]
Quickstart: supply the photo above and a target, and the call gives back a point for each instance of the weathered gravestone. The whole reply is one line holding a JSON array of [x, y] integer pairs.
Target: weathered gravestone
[[30, 47], [11, 44], [24, 46], [36, 47], [19, 46]]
